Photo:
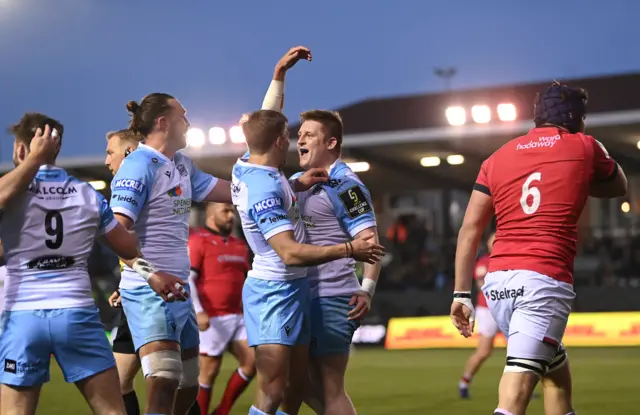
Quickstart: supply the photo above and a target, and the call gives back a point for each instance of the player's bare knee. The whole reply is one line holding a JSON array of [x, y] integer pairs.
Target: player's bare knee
[[559, 361]]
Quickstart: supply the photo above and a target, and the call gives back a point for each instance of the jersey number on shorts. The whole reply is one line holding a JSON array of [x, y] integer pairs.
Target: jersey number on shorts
[[530, 193], [53, 226]]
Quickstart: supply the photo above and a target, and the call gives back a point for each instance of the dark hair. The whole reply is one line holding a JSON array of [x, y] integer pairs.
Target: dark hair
[[126, 135], [145, 114], [26, 128], [561, 105], [331, 121], [262, 129]]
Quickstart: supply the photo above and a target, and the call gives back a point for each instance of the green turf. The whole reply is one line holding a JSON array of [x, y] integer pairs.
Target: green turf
[[420, 382]]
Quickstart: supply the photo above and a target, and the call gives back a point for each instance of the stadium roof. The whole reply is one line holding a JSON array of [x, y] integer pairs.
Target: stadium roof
[[394, 134]]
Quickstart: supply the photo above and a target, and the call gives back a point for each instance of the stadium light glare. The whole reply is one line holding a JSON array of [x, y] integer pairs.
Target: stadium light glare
[[217, 135], [455, 159], [98, 184], [236, 134], [638, 145], [456, 115], [431, 161], [195, 137], [507, 112], [359, 166], [625, 207], [481, 114]]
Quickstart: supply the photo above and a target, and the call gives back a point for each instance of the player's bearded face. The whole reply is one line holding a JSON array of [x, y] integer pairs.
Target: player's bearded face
[[177, 125], [224, 218]]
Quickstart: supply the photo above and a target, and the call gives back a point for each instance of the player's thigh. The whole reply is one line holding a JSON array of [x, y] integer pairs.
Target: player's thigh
[[184, 314], [149, 317], [486, 325], [273, 362], [215, 339], [25, 348], [128, 366], [102, 392], [332, 370], [331, 330], [276, 312], [79, 343], [19, 400]]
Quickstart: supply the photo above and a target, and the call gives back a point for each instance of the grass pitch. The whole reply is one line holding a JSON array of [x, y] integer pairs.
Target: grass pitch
[[425, 382]]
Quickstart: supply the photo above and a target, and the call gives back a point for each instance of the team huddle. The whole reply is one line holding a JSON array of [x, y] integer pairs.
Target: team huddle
[[185, 298]]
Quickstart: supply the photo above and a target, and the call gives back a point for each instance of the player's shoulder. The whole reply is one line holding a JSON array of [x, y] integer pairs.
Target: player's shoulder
[[142, 161], [342, 178], [260, 180]]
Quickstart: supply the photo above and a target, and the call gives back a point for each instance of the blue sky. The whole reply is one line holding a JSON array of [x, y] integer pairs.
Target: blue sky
[[82, 60]]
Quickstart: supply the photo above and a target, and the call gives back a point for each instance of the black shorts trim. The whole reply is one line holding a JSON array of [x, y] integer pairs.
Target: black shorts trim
[[123, 342]]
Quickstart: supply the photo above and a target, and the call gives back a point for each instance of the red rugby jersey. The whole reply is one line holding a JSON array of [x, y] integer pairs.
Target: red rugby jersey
[[539, 184], [482, 266], [222, 264]]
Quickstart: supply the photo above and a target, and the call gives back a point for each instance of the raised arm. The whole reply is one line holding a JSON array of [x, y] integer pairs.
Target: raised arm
[[274, 98], [43, 146]]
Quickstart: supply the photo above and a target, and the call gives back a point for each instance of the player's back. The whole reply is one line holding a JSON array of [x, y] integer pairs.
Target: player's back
[[539, 183], [267, 206], [48, 233]]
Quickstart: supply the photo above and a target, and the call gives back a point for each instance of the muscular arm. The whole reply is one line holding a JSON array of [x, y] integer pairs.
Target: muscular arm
[[123, 241], [221, 192], [293, 253], [476, 219], [617, 187], [371, 271], [18, 179]]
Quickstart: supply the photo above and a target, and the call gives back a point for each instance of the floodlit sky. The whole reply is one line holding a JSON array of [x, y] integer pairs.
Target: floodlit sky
[[82, 60]]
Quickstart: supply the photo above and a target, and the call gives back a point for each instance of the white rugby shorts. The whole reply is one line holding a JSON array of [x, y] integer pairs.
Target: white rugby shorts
[[532, 304], [485, 323], [221, 332]]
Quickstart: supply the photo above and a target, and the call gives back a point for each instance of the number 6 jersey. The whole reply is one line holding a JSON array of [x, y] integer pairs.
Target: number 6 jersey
[[47, 233], [539, 184]]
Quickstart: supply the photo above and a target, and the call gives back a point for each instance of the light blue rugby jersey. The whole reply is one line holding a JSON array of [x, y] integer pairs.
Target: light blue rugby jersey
[[47, 233], [334, 213], [156, 193], [267, 206]]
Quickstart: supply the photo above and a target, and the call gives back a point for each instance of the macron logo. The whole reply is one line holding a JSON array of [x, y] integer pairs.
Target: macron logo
[[543, 142], [267, 205]]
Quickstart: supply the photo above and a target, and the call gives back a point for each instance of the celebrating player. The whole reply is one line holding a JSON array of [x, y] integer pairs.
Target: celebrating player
[[487, 326], [537, 185], [276, 293], [219, 265], [119, 145], [152, 193], [47, 231]]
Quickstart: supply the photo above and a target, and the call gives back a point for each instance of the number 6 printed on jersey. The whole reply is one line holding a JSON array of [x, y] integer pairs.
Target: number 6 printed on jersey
[[528, 190]]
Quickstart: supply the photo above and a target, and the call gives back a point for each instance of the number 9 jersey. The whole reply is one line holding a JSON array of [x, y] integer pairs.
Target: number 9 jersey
[[47, 233], [539, 184]]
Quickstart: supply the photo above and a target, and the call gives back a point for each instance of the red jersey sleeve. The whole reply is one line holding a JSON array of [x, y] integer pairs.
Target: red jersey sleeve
[[604, 167], [196, 252], [482, 182]]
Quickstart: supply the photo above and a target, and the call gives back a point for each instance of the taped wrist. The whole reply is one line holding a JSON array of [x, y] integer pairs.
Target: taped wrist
[[274, 99], [144, 268]]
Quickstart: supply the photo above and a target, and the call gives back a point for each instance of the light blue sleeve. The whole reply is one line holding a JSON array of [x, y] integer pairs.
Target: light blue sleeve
[[201, 183], [353, 206], [107, 219], [131, 186], [266, 206]]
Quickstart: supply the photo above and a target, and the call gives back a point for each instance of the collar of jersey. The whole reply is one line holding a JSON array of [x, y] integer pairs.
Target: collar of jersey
[[49, 167], [336, 167], [259, 166], [154, 151]]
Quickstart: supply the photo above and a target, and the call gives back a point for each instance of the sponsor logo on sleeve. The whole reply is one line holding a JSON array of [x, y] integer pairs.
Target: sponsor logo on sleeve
[[124, 199], [129, 185], [267, 205], [355, 202], [182, 170], [274, 219]]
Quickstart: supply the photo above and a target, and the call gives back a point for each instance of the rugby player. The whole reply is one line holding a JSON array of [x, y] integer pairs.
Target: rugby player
[[276, 293], [337, 211], [119, 145], [152, 193], [219, 265], [487, 326], [537, 184], [49, 224]]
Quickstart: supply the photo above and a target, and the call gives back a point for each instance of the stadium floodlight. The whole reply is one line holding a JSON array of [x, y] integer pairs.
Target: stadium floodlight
[[98, 184], [638, 145], [625, 207], [195, 137], [236, 134], [456, 115], [481, 114], [455, 159], [430, 161], [507, 112], [217, 135], [359, 166]]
